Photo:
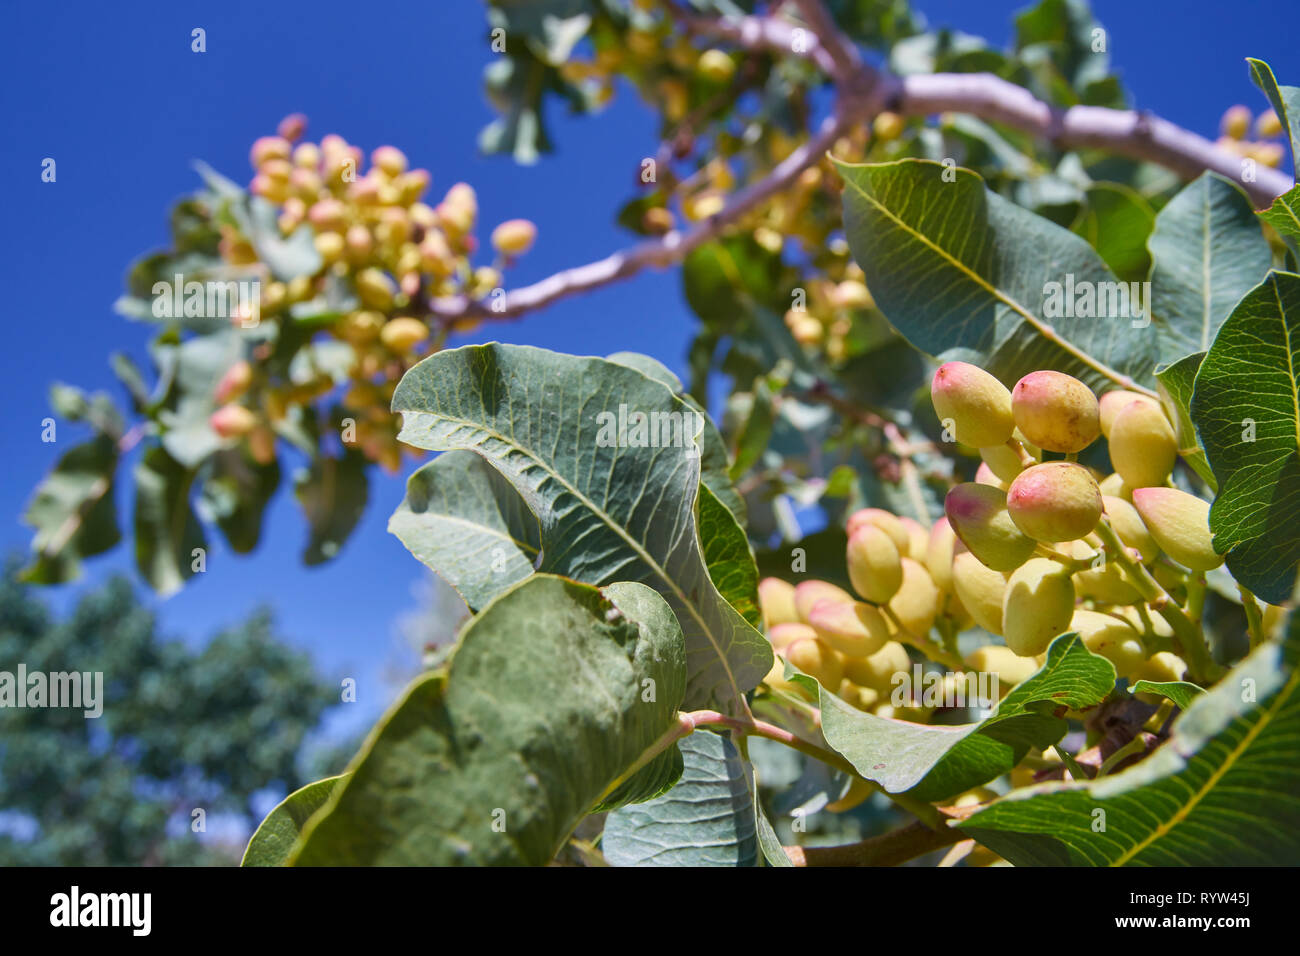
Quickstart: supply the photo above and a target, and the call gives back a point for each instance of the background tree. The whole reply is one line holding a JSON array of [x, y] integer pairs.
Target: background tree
[[181, 729]]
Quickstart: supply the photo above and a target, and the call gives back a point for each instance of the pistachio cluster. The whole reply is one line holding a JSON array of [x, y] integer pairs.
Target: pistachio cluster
[[383, 251], [1236, 125]]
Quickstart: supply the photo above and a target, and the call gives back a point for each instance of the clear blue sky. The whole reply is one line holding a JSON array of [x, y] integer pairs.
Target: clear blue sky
[[114, 95]]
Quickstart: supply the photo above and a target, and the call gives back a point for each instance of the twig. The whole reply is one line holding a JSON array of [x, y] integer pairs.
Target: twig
[[888, 849]]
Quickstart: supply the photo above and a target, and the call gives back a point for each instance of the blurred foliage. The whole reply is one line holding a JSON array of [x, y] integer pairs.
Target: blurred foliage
[[182, 728]]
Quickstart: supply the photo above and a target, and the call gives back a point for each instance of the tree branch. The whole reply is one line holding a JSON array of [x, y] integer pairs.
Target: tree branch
[[863, 92], [888, 849]]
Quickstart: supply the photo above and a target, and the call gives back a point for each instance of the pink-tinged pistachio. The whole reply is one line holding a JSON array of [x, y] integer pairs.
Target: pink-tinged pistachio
[[234, 382], [232, 421], [974, 403], [874, 564], [854, 629], [390, 160], [268, 147], [514, 237], [1056, 411], [1055, 501], [978, 515], [1180, 524], [808, 593], [1143, 447], [776, 599], [1112, 402]]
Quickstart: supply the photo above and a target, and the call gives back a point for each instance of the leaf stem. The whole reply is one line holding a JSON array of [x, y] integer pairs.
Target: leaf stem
[[1254, 619], [926, 813], [925, 644]]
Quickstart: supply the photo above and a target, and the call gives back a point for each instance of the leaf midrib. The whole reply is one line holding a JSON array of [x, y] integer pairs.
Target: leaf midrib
[[1265, 718], [618, 530], [1050, 334]]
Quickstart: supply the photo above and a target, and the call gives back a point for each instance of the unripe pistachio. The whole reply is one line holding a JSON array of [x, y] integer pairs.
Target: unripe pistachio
[[1104, 581], [402, 334], [855, 630], [360, 244], [1270, 154], [817, 660], [412, 185], [978, 514], [853, 294], [1113, 401], [389, 159], [1161, 668], [1236, 121], [1055, 501], [1180, 524], [984, 475], [804, 328], [887, 126], [514, 237], [939, 552], [808, 593], [976, 404], [375, 289], [859, 790], [306, 183], [268, 147], [361, 327], [782, 635], [1113, 486], [874, 564], [1003, 461], [306, 156], [261, 445], [998, 659], [292, 127], [279, 170], [1268, 125], [423, 215], [1037, 606], [328, 214], [918, 538], [1110, 638], [877, 670], [234, 382], [1143, 447], [775, 678], [232, 421], [1056, 411], [980, 590], [715, 66], [408, 266], [329, 246], [916, 604], [657, 220], [275, 190], [884, 520], [776, 599], [1128, 525]]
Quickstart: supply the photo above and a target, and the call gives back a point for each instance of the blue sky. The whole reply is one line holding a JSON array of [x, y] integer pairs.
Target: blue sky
[[114, 94]]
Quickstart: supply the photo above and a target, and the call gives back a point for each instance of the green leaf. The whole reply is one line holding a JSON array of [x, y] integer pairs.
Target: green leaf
[[728, 556], [1285, 101], [333, 495], [1180, 692], [557, 691], [1247, 412], [235, 493], [166, 529], [1117, 221], [1176, 383], [468, 524], [937, 761], [201, 362], [715, 465], [73, 512], [752, 440], [1284, 214], [964, 274], [611, 506], [276, 836], [1221, 791], [1207, 252], [707, 819]]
